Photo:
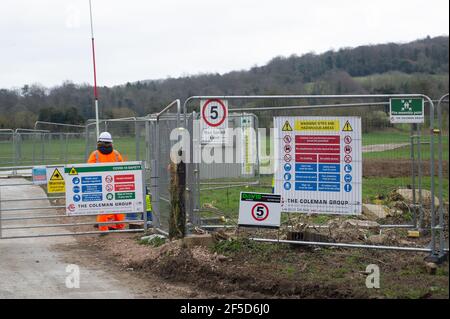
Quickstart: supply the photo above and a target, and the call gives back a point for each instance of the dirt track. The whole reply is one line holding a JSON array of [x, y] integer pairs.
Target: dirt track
[[36, 268]]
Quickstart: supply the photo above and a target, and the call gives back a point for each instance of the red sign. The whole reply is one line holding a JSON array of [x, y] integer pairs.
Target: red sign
[[306, 158], [123, 178], [287, 148], [347, 139], [348, 149], [287, 158], [109, 179], [348, 159], [124, 187], [305, 148], [109, 187], [317, 139], [329, 158]]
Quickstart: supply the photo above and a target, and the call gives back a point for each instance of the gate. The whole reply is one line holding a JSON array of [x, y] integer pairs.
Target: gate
[[27, 210], [395, 156]]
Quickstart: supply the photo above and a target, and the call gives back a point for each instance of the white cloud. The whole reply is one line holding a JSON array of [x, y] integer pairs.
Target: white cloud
[[48, 41]]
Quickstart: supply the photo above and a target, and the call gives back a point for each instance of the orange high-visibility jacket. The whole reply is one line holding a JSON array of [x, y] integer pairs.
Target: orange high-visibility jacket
[[98, 157]]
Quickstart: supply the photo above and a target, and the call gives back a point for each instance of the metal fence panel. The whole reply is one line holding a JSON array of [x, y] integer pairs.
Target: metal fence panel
[[395, 156]]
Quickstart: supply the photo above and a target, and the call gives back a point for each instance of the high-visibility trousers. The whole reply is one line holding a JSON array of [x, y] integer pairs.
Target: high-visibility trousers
[[110, 218]]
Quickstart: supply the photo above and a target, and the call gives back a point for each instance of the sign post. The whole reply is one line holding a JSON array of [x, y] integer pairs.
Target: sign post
[[260, 210], [319, 164], [214, 121], [105, 188], [407, 110]]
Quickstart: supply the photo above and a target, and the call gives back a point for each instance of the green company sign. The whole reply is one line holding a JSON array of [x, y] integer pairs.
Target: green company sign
[[407, 110]]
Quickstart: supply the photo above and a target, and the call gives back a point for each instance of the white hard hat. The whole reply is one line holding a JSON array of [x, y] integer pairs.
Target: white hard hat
[[105, 137]]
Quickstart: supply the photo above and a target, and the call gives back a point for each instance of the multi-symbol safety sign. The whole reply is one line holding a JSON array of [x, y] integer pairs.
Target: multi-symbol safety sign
[[259, 210], [104, 188], [214, 121], [319, 164]]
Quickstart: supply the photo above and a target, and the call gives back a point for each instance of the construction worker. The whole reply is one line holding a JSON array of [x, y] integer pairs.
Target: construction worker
[[106, 154]]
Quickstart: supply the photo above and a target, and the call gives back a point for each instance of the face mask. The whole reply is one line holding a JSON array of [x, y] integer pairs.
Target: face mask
[[105, 149]]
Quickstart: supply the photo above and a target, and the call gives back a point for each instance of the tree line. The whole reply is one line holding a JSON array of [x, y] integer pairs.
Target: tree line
[[417, 67]]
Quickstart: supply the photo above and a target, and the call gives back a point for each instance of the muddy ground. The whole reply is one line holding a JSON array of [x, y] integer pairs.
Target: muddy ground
[[396, 168], [237, 267], [231, 266]]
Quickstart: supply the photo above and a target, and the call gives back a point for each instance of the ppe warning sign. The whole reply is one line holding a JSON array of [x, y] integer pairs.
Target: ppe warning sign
[[319, 168], [102, 188]]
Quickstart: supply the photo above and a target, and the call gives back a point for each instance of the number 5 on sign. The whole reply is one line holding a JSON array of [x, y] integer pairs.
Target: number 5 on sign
[[214, 121], [260, 210]]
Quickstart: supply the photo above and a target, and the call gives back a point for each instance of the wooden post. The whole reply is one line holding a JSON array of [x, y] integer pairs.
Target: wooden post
[[177, 219]]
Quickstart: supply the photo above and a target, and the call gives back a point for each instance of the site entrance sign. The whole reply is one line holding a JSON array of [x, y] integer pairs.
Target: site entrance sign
[[115, 188], [319, 164], [407, 110]]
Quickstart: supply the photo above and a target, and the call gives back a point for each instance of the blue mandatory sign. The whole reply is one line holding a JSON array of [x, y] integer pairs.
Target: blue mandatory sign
[[287, 186], [76, 189], [287, 177], [348, 188], [287, 167], [76, 180], [76, 198], [348, 178], [348, 168]]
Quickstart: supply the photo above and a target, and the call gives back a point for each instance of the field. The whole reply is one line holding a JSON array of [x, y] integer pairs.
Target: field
[[60, 151]]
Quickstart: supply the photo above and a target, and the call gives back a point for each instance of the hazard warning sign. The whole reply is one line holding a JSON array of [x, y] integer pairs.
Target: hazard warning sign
[[287, 127], [55, 180], [347, 127], [319, 167], [73, 171]]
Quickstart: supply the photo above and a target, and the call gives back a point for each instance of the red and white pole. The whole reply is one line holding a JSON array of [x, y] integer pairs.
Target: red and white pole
[[95, 72]]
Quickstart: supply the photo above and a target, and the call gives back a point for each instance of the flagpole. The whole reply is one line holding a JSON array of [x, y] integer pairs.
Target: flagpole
[[95, 72]]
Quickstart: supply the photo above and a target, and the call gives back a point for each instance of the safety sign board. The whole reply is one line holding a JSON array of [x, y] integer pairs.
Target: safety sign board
[[39, 174], [55, 180], [214, 121], [248, 146], [407, 110], [104, 188], [260, 210], [319, 164]]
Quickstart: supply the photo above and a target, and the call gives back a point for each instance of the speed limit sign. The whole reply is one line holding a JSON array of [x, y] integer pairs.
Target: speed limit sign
[[214, 121], [260, 210]]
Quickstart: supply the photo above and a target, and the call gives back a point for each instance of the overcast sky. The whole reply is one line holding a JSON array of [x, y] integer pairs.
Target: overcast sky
[[48, 41]]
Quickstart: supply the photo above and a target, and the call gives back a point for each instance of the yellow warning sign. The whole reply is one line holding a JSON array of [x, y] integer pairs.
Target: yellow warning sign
[[56, 183], [56, 176], [287, 127], [317, 125], [347, 127], [73, 171]]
